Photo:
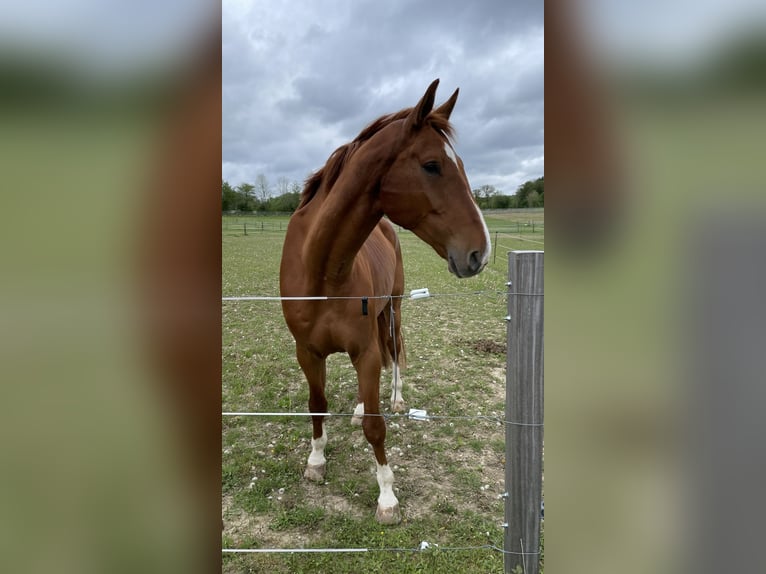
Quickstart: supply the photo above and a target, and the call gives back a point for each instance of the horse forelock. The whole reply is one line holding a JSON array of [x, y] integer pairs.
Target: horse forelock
[[441, 125], [328, 174]]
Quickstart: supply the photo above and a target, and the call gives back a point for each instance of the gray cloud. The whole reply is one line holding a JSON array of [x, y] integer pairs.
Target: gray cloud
[[302, 78]]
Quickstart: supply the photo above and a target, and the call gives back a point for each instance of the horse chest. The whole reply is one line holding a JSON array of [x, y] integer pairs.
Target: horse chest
[[334, 329]]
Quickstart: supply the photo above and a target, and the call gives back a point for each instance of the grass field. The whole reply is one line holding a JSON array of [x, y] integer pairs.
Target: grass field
[[448, 473]]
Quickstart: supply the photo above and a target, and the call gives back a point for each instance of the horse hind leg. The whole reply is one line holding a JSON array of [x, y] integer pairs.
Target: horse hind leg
[[396, 348], [313, 367], [358, 416], [397, 401]]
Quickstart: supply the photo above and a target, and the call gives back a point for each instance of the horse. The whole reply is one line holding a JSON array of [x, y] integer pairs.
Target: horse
[[338, 245]]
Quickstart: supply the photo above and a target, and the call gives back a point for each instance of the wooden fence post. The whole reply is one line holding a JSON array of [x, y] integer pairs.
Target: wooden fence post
[[524, 411]]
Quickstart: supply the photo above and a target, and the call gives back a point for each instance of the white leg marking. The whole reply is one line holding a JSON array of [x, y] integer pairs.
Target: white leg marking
[[387, 497], [388, 504], [317, 449], [397, 402], [358, 414]]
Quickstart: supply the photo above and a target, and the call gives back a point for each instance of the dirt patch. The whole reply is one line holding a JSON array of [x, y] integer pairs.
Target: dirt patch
[[485, 346], [239, 524], [319, 496]]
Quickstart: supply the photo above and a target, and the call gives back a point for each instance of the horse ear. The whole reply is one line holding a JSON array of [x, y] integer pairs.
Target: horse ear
[[446, 108], [424, 107]]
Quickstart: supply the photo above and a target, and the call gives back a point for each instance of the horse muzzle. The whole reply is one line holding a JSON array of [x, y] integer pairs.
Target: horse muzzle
[[462, 265]]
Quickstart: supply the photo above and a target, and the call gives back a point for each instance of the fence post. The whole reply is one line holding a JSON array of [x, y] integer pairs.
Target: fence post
[[494, 255], [245, 227], [524, 404]]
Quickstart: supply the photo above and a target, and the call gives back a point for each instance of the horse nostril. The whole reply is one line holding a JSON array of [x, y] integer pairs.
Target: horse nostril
[[474, 261]]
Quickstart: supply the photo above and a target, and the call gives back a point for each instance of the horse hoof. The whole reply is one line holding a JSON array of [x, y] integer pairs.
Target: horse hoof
[[388, 515], [357, 421], [398, 407], [314, 472]]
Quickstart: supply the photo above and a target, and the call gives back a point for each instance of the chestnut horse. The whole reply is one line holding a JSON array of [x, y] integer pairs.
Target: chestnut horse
[[338, 245]]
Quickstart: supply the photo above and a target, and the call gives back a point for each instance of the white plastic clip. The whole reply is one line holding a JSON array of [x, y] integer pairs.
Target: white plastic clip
[[419, 293], [418, 414]]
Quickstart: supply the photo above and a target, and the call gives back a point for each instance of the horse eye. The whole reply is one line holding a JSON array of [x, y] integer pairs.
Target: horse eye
[[432, 168]]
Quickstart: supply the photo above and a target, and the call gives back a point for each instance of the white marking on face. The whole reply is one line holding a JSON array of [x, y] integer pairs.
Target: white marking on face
[[488, 250], [485, 256], [450, 152], [387, 498], [316, 458]]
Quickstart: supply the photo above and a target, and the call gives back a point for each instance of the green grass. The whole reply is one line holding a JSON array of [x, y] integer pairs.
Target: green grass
[[441, 467]]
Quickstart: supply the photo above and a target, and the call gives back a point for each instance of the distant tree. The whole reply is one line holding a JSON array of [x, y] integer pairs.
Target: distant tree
[[229, 197], [283, 186], [500, 201], [262, 189], [484, 194], [246, 197], [246, 189], [533, 199], [528, 187], [287, 202]]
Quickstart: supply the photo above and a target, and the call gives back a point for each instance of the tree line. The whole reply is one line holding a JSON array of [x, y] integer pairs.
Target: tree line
[[285, 196], [528, 194], [261, 196]]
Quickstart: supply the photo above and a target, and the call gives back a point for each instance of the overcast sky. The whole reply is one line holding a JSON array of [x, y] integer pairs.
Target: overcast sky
[[301, 78]]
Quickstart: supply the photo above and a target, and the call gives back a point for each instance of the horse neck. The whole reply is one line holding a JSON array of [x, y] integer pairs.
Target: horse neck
[[346, 214], [344, 219]]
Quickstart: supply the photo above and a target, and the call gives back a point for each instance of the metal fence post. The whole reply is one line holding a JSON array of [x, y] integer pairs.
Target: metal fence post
[[524, 405]]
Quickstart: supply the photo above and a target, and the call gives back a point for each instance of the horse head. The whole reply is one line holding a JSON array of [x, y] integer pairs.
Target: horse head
[[426, 189]]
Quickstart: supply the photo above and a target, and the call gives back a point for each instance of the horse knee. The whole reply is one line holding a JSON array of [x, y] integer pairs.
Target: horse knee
[[374, 429], [317, 403]]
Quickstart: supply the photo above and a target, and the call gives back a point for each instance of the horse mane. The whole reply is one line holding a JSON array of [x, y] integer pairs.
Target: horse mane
[[331, 170]]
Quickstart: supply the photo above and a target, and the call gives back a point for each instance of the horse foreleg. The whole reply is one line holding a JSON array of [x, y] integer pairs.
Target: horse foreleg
[[313, 367], [368, 370]]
